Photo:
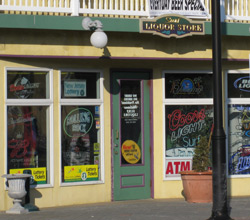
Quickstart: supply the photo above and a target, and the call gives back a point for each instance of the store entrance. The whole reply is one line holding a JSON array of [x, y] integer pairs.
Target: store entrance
[[131, 137]]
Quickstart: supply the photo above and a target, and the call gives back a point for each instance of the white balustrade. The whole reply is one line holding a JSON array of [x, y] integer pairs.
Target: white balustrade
[[234, 9]]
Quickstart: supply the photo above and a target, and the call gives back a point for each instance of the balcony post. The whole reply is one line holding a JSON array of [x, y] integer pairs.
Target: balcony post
[[75, 5], [222, 10]]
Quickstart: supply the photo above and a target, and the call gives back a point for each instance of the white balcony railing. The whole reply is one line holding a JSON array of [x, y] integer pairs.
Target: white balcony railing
[[231, 9]]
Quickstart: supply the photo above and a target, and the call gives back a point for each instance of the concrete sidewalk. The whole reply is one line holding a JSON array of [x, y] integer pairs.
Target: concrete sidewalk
[[151, 209]]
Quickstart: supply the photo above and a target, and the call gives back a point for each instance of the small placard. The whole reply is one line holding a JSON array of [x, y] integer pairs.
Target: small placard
[[73, 88]]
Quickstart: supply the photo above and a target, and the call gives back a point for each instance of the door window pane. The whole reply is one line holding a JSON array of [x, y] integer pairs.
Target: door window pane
[[131, 127], [28, 138], [27, 85]]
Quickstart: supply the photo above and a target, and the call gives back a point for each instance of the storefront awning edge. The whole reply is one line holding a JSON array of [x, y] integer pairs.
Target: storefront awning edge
[[115, 58], [109, 24]]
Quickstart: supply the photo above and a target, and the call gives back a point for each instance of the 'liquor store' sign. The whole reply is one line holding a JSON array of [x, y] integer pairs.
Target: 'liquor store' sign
[[172, 26]]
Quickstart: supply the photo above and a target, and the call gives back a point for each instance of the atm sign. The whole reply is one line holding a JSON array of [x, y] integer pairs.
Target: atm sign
[[176, 164]]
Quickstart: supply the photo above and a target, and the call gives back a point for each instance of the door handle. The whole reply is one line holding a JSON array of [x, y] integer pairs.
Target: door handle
[[117, 134]]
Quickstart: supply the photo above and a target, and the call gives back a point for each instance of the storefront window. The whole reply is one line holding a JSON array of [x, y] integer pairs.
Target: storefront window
[[27, 85], [80, 127], [239, 139], [186, 121], [238, 85], [238, 123], [180, 85], [28, 124], [77, 85]]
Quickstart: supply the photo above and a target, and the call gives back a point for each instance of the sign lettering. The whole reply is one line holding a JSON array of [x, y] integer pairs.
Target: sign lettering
[[176, 165], [172, 26]]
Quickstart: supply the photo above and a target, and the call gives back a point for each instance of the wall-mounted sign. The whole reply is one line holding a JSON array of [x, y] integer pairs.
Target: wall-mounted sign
[[73, 88], [172, 26], [194, 7]]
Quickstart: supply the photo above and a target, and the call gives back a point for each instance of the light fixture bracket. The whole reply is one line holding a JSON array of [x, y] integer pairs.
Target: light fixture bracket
[[88, 24]]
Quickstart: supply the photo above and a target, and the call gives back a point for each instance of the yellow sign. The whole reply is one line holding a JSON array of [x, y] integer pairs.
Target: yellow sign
[[80, 173], [38, 174], [131, 152], [96, 148]]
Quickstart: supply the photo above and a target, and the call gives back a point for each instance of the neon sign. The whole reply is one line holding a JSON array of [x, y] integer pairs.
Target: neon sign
[[79, 121], [177, 119], [23, 88], [243, 84]]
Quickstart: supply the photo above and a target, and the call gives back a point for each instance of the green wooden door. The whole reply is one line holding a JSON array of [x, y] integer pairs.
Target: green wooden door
[[131, 135]]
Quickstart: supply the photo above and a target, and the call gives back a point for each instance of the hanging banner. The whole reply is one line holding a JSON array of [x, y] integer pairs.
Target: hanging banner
[[172, 26]]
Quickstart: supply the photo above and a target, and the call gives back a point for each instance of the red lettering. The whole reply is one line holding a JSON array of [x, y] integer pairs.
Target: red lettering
[[126, 147], [169, 169], [185, 165], [177, 119], [177, 164], [16, 88], [19, 148]]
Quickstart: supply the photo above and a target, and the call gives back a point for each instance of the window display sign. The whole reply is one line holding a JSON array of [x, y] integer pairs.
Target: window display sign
[[238, 85], [78, 122], [27, 137], [38, 174], [27, 85], [80, 173], [130, 109], [130, 105], [185, 125], [239, 139], [73, 88], [131, 152], [188, 86], [176, 164]]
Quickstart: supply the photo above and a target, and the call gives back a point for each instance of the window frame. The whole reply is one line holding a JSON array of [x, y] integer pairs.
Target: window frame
[[34, 102], [178, 101], [84, 102]]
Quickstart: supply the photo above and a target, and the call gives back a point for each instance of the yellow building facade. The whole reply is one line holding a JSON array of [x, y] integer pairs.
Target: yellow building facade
[[97, 125]]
